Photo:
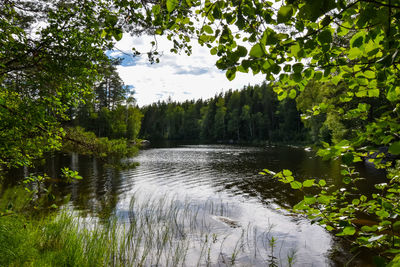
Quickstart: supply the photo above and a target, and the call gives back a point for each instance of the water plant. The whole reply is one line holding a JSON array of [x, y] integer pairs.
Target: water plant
[[147, 232]]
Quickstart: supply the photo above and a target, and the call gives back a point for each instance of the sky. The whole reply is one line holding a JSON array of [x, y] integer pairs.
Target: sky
[[179, 77]]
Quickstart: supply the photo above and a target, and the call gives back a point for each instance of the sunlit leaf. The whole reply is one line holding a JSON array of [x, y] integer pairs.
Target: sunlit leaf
[[285, 13], [296, 185], [287, 172], [257, 50], [308, 183], [292, 93], [354, 53], [171, 4], [348, 230]]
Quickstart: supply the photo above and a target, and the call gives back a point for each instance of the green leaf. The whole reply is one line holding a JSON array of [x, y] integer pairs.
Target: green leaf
[[346, 180], [348, 230], [242, 51], [310, 200], [171, 4], [308, 183], [217, 13], [117, 34], [387, 206], [296, 185], [373, 93], [323, 199], [231, 74], [354, 53], [292, 93], [393, 251], [393, 93], [297, 77], [369, 74], [382, 213], [336, 79], [395, 148], [329, 228], [318, 75], [325, 37], [282, 95], [396, 226], [269, 171], [208, 29], [367, 228], [257, 50], [298, 67], [287, 172], [322, 182], [288, 179], [242, 69], [285, 13], [295, 49], [300, 206], [111, 20], [156, 9], [358, 39]]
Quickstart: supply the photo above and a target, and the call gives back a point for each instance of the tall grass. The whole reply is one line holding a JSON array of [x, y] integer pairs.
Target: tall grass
[[154, 232]]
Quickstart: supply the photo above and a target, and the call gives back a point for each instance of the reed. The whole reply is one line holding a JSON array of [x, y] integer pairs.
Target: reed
[[156, 232]]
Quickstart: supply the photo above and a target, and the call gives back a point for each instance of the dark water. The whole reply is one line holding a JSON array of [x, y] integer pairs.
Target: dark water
[[227, 177]]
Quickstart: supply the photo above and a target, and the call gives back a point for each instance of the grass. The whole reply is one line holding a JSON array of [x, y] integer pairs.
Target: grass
[[153, 232]]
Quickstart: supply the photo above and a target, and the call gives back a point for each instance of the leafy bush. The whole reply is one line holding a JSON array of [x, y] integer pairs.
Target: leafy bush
[[86, 143], [368, 221]]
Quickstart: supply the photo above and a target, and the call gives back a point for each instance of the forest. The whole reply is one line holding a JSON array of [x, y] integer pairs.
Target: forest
[[252, 114], [248, 115], [111, 110], [332, 79]]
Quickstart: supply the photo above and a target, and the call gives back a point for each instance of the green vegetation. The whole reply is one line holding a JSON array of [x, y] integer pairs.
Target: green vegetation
[[252, 114], [87, 143], [53, 68], [159, 231], [43, 76], [339, 57], [347, 68], [110, 111], [106, 123]]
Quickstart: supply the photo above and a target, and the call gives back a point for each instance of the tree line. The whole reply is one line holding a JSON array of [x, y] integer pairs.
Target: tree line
[[252, 114]]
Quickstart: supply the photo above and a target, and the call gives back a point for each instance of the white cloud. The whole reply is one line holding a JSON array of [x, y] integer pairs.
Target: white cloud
[[180, 77]]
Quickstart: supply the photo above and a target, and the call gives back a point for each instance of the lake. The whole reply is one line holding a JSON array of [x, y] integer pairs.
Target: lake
[[238, 217]]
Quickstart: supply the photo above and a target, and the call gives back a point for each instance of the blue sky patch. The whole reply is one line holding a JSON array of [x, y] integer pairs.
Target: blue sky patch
[[127, 60]]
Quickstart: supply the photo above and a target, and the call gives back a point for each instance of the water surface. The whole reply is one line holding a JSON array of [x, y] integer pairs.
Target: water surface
[[222, 183]]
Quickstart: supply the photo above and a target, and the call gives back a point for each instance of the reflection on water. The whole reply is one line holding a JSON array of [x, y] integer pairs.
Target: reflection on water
[[224, 177]]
